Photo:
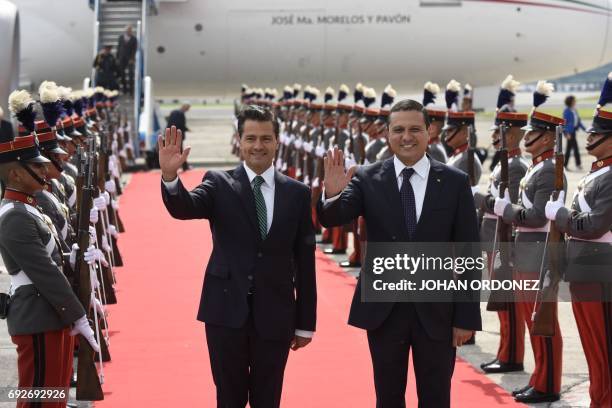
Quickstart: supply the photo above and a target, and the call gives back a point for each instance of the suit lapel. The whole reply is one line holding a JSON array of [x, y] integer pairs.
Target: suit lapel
[[434, 187], [242, 187]]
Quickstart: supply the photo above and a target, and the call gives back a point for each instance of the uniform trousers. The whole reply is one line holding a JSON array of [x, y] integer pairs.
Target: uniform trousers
[[44, 360], [511, 348], [547, 351], [594, 321]]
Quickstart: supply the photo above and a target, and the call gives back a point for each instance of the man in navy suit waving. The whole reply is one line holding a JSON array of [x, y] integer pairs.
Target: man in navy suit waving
[[407, 198], [259, 293]]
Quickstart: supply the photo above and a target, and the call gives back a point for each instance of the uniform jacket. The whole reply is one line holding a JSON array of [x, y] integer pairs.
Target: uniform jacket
[[588, 221], [27, 244], [460, 161], [529, 216]]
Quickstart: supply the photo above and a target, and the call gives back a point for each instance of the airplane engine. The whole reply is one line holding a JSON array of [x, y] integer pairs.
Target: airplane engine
[[9, 51]]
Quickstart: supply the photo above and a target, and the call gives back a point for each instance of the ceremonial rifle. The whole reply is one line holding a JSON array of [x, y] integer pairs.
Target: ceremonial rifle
[[498, 299], [88, 381], [545, 305], [470, 154]]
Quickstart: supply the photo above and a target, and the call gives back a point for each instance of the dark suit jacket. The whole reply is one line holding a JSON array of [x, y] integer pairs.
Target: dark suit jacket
[[177, 118], [126, 50], [280, 269], [448, 215]]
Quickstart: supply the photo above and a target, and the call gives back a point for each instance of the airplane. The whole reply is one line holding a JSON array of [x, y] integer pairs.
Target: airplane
[[206, 47]]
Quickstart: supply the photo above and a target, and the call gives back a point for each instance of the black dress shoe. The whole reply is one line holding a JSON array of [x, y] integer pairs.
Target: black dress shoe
[[334, 251], [483, 365], [348, 264], [533, 396], [501, 367], [521, 390]]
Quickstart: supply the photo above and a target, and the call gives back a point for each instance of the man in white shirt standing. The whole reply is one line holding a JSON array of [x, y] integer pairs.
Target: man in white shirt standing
[[407, 198], [259, 294]]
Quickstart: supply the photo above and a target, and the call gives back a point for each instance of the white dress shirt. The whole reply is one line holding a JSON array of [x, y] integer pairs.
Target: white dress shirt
[[418, 180], [267, 190]]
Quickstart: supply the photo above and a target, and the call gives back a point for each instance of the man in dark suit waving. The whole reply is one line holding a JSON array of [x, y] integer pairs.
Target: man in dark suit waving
[[259, 293], [406, 198]]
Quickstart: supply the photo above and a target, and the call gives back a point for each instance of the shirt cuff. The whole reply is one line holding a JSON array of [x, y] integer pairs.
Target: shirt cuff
[[304, 333], [329, 200], [171, 186]]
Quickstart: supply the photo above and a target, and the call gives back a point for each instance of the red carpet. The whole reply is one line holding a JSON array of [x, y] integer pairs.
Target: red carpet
[[158, 348]]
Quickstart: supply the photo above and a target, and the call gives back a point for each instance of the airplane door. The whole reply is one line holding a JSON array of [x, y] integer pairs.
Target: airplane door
[[282, 46]]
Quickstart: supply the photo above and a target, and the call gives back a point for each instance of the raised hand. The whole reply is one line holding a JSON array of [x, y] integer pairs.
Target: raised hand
[[336, 177], [170, 156]]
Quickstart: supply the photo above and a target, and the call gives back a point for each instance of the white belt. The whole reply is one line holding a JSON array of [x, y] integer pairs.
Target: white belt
[[17, 280], [490, 216], [539, 229], [605, 238]]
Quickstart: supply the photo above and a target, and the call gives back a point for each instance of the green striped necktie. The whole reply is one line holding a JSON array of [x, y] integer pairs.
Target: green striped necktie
[[260, 206]]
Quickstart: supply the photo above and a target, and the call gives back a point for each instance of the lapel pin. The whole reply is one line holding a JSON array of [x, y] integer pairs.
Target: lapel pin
[[438, 180]]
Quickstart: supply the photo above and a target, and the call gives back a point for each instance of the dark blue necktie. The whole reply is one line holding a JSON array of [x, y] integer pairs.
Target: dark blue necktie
[[408, 202]]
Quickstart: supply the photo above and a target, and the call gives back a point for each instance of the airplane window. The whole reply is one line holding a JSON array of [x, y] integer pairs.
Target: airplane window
[[446, 3], [198, 27], [161, 49]]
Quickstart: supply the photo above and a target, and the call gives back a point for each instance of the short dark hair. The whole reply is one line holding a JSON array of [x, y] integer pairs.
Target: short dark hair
[[258, 114], [569, 100], [408, 105]]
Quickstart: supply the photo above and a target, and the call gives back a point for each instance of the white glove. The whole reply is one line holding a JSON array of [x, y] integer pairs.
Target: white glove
[[82, 327], [501, 203], [307, 180], [284, 168], [110, 186], [308, 147], [475, 189], [105, 245], [100, 257], [92, 233], [349, 162], [107, 198], [282, 138], [279, 164], [553, 207], [320, 151], [298, 143], [123, 153], [315, 182], [93, 215], [98, 305], [73, 254], [100, 203], [115, 204], [113, 231], [90, 255]]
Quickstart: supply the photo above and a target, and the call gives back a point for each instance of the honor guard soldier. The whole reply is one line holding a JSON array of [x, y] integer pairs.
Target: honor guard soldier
[[505, 103], [532, 228], [383, 124], [44, 313], [338, 236], [511, 322], [457, 134], [435, 149], [588, 225], [379, 131], [359, 140]]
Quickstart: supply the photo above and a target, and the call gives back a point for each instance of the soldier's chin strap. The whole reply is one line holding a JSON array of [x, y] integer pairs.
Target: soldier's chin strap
[[449, 136], [600, 141], [57, 165], [31, 172], [535, 139]]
